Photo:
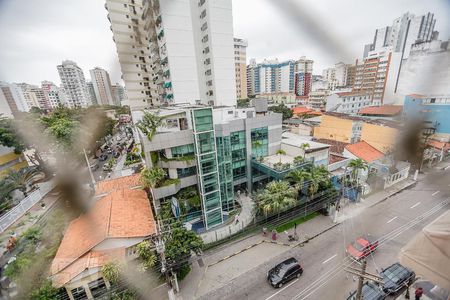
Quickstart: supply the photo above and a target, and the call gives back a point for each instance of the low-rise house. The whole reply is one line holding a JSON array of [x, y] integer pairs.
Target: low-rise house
[[347, 102], [108, 232]]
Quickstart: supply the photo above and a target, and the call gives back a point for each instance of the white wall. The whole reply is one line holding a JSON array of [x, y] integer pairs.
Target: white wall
[[5, 111]]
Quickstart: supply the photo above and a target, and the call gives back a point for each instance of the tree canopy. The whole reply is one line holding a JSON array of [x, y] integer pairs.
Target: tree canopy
[[282, 109]]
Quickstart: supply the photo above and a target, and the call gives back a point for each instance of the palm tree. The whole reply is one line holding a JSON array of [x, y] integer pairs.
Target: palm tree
[[305, 146], [280, 152], [298, 160], [151, 178], [276, 197], [318, 177], [356, 165], [149, 124], [21, 180], [298, 177]]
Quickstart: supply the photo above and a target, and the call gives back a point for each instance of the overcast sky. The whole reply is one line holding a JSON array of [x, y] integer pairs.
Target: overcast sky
[[36, 35]]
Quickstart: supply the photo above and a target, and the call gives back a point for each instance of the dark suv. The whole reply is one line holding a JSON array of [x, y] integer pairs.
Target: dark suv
[[284, 272], [395, 277], [370, 291]]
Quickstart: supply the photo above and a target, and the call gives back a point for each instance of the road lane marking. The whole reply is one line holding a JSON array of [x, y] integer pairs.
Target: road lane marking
[[324, 262], [391, 220], [435, 193], [415, 204], [282, 289]]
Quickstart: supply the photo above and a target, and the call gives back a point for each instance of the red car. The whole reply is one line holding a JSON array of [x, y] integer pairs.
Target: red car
[[362, 247]]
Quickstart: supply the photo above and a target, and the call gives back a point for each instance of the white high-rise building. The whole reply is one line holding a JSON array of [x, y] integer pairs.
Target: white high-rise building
[[175, 51], [336, 76], [404, 32], [91, 90], [102, 86], [74, 84], [270, 76], [13, 93], [119, 94]]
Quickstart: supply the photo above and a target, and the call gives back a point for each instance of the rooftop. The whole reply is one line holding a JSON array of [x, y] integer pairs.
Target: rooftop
[[110, 185], [301, 110], [439, 145], [364, 151], [123, 213], [356, 93], [336, 146], [381, 122], [296, 140], [384, 110]]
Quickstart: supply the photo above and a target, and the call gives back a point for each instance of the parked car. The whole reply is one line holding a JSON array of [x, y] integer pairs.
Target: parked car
[[362, 247], [284, 272], [103, 157], [370, 291], [395, 277]]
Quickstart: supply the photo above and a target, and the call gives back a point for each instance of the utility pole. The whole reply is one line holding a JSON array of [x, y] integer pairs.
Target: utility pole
[[362, 274], [89, 168]]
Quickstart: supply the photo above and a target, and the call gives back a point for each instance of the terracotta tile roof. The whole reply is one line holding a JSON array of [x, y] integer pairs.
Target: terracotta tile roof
[[121, 214], [364, 151], [92, 259], [335, 158], [384, 110], [439, 145], [300, 110], [107, 186]]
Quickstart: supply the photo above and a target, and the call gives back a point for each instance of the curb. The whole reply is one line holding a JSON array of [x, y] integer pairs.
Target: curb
[[299, 244], [394, 193]]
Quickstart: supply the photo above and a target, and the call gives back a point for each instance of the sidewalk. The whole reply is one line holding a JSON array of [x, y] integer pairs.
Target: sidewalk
[[351, 210], [244, 218], [226, 263]]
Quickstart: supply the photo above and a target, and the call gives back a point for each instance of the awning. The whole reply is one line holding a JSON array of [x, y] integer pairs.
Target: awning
[[428, 253]]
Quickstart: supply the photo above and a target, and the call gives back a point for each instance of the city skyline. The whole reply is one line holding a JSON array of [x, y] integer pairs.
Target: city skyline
[[92, 32]]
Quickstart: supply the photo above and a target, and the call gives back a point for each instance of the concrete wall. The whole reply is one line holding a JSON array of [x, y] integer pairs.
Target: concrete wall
[[380, 137], [333, 128]]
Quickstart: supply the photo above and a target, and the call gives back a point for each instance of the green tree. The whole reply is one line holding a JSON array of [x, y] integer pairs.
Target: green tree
[[242, 103], [282, 109], [45, 292], [276, 197], [150, 123], [21, 180], [319, 178], [304, 146], [9, 136], [146, 254], [152, 178], [298, 160], [298, 178], [111, 272], [356, 165], [279, 153], [180, 243]]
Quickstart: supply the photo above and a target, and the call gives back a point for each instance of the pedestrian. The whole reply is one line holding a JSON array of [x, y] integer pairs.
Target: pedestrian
[[264, 231], [419, 293], [407, 291], [237, 221]]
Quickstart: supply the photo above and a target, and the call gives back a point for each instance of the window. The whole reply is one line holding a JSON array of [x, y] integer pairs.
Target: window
[[79, 293], [203, 14], [97, 287], [124, 5], [204, 26]]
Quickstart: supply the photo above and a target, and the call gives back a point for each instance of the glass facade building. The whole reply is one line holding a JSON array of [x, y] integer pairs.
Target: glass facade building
[[225, 172], [260, 141], [208, 173], [238, 154]]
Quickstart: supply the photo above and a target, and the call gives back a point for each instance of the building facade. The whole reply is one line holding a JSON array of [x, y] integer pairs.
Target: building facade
[[303, 76], [336, 76], [240, 61], [53, 94], [119, 94], [271, 76], [431, 108], [14, 96], [318, 99], [210, 150], [74, 84], [102, 86], [377, 75], [404, 32], [347, 102], [432, 59], [91, 91], [175, 52]]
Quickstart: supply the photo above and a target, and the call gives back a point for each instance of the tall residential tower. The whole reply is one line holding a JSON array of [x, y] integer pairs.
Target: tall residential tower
[[175, 51], [102, 86], [74, 84], [240, 61]]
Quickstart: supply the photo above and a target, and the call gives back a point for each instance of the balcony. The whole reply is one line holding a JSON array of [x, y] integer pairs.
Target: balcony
[[174, 186]]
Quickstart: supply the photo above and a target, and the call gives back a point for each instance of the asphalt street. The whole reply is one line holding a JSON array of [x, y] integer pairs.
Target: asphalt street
[[323, 278]]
